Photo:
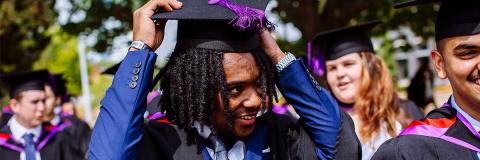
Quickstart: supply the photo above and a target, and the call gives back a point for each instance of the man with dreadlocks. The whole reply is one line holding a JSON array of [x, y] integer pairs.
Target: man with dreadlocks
[[218, 87]]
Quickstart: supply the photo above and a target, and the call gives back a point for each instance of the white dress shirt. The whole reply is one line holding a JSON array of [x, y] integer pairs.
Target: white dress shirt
[[18, 131], [237, 152], [475, 123]]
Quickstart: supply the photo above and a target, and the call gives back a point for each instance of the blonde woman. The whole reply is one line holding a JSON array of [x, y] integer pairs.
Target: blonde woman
[[362, 84]]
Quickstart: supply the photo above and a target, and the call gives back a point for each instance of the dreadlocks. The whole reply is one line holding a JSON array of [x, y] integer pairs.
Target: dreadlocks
[[192, 78]]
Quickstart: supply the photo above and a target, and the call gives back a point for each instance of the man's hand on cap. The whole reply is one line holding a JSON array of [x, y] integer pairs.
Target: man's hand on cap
[[144, 29]]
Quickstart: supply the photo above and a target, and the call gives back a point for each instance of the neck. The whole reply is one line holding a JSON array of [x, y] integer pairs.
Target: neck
[[23, 124], [49, 117], [228, 139], [468, 106]]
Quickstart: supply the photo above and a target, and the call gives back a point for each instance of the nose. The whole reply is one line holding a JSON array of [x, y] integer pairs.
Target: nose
[[254, 100], [340, 72], [41, 106]]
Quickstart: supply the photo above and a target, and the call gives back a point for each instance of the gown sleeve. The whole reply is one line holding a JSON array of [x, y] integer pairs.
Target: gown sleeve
[[119, 127], [348, 145], [317, 108]]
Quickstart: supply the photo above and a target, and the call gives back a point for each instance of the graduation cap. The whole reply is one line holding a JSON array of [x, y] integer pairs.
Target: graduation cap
[[113, 69], [455, 18], [60, 85], [333, 44], [25, 81], [222, 25]]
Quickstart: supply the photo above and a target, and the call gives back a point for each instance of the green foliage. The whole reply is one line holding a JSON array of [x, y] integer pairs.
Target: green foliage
[[22, 25], [385, 52], [61, 56], [104, 18]]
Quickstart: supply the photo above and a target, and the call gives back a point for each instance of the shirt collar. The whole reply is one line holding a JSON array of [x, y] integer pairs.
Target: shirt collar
[[18, 130], [56, 120], [237, 152], [475, 123], [206, 130]]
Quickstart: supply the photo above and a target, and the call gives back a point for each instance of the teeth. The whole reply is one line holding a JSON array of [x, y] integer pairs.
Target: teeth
[[246, 117]]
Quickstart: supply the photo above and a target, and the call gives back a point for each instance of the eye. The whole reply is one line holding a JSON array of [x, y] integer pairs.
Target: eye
[[331, 68], [235, 90], [467, 53], [349, 63]]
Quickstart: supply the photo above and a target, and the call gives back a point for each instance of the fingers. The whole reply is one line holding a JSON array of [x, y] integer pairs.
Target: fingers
[[270, 46], [166, 5], [175, 4]]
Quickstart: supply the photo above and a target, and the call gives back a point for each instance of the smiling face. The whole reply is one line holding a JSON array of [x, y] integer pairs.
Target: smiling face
[[244, 92], [344, 75], [458, 59]]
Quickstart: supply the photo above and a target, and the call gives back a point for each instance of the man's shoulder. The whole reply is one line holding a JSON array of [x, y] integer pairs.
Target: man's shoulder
[[419, 147]]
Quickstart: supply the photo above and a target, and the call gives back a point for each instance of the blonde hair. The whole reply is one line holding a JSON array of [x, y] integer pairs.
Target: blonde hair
[[377, 104]]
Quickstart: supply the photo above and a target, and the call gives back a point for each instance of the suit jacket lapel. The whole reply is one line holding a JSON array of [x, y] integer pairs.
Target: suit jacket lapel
[[256, 143]]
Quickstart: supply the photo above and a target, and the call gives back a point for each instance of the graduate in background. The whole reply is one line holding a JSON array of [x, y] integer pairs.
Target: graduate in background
[[450, 132], [7, 113], [26, 137], [421, 87], [217, 91], [79, 131], [362, 85]]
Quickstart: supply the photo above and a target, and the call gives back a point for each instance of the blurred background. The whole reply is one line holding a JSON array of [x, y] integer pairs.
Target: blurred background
[[82, 38]]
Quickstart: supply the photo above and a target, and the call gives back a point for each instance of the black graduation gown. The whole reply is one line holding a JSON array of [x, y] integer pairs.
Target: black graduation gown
[[429, 148], [412, 109], [55, 148], [286, 140], [348, 145], [80, 132], [4, 119]]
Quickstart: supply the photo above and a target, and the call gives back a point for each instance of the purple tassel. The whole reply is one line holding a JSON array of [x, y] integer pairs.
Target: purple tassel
[[247, 18], [316, 63]]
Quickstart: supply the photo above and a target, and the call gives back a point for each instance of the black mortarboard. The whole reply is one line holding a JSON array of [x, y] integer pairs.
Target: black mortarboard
[[113, 69], [333, 44], [223, 25], [455, 17], [25, 81], [339, 42], [60, 85]]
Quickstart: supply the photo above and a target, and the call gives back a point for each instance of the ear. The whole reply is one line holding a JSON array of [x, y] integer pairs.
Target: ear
[[13, 103], [58, 100], [439, 63]]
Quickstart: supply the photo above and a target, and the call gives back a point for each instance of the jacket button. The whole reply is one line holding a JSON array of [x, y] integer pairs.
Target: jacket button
[[132, 85], [134, 77], [136, 71], [138, 64]]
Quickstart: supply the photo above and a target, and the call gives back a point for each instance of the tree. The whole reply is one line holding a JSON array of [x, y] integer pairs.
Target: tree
[[106, 19], [22, 25], [61, 57], [313, 16]]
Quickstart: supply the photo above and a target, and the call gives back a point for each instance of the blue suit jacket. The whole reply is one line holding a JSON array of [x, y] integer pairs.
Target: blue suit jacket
[[118, 129]]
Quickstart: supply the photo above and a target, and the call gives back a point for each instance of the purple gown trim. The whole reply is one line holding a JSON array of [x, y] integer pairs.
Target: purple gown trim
[[280, 108], [432, 131], [3, 142], [7, 110], [55, 130], [52, 133], [156, 116]]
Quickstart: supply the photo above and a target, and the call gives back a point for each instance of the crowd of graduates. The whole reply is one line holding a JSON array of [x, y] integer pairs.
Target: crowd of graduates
[[218, 89]]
